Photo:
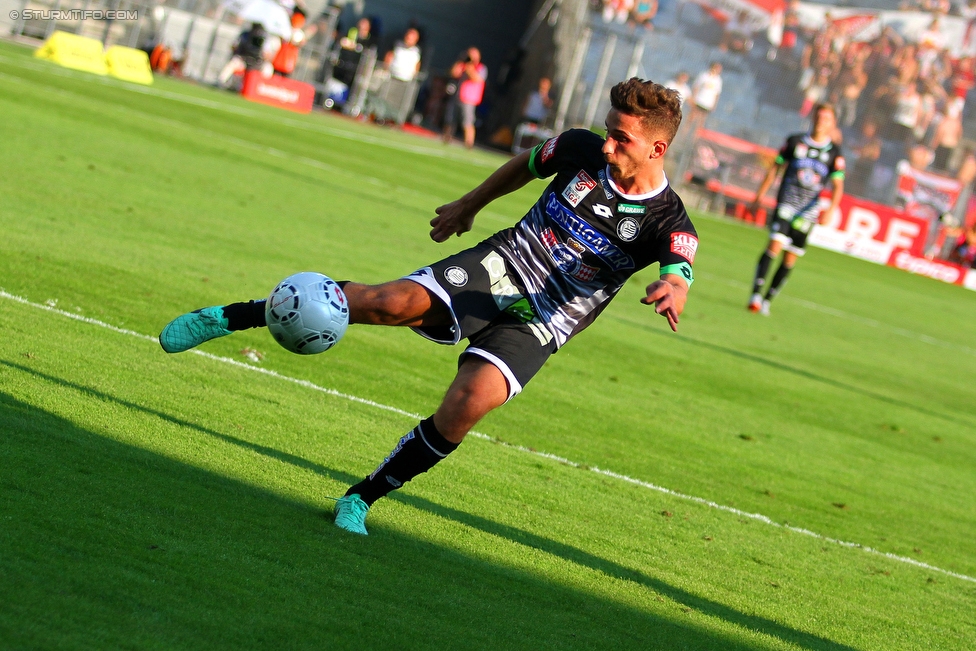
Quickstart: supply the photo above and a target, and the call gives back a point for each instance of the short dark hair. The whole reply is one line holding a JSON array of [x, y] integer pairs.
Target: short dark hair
[[824, 106], [658, 108]]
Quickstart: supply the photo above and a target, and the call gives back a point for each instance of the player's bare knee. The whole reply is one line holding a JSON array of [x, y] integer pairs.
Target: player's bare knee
[[382, 304]]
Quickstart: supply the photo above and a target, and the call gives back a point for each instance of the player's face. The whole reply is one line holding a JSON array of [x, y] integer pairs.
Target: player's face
[[825, 122], [629, 148]]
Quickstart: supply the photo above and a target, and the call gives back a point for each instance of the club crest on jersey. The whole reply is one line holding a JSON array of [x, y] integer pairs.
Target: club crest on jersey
[[567, 257], [602, 175], [578, 188], [800, 151], [685, 245], [456, 276], [549, 149], [627, 229]]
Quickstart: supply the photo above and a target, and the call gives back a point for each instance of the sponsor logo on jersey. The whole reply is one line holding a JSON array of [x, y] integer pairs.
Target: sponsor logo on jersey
[[627, 229], [576, 246], [578, 188], [567, 256], [800, 151], [631, 208], [839, 164], [685, 245], [594, 240], [814, 153], [808, 178], [602, 175], [602, 211], [456, 276], [549, 149]]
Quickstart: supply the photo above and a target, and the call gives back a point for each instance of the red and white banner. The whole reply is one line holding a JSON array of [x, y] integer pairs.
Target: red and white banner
[[926, 195], [758, 12], [278, 91]]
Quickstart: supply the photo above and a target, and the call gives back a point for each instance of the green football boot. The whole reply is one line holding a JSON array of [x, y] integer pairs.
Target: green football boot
[[350, 514], [191, 330]]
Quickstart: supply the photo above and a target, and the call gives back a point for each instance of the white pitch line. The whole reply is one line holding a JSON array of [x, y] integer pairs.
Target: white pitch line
[[520, 448]]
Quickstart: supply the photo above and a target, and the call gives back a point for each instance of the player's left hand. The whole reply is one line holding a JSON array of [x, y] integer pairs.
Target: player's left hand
[[662, 295], [452, 219]]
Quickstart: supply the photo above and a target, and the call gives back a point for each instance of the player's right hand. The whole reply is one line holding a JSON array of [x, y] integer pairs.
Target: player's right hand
[[452, 219]]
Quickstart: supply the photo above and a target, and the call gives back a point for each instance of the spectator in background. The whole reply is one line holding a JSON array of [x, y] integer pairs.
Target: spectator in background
[[947, 136], [469, 74], [287, 56], [867, 150], [905, 118], [643, 14], [850, 85], [737, 34], [403, 61], [617, 10], [680, 84], [704, 96], [351, 48], [538, 104], [816, 92]]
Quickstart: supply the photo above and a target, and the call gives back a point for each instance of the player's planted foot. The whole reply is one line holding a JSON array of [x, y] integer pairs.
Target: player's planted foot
[[755, 303], [764, 309], [192, 329], [350, 514]]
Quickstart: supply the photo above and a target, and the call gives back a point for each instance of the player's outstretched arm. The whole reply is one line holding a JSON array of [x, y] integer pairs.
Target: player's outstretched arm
[[457, 217], [668, 295], [767, 183]]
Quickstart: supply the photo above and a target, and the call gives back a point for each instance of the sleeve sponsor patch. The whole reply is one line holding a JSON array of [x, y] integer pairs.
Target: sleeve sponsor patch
[[839, 164], [549, 149], [685, 245]]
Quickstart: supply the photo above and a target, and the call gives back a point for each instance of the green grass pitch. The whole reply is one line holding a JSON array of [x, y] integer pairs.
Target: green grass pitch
[[803, 481]]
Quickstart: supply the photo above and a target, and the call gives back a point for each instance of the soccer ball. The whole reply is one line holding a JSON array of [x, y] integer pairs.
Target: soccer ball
[[307, 313]]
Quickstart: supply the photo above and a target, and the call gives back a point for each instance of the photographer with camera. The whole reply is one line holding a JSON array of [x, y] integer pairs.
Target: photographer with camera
[[465, 90]]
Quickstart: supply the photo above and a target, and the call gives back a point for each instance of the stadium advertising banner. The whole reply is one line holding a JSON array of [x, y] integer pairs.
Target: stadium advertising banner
[[870, 231], [758, 12], [883, 235], [731, 166], [278, 91]]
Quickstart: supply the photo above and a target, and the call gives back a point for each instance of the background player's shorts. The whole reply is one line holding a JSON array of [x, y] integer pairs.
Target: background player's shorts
[[488, 306], [792, 232], [467, 114]]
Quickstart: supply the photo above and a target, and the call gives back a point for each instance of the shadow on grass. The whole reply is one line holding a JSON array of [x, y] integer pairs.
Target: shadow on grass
[[168, 494], [780, 366]]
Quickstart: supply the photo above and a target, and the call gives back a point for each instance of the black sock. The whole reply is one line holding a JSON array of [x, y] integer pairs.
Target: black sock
[[778, 281], [417, 452], [761, 269], [241, 316]]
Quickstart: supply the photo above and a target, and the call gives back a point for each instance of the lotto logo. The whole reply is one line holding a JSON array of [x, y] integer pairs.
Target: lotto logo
[[685, 245], [549, 149]]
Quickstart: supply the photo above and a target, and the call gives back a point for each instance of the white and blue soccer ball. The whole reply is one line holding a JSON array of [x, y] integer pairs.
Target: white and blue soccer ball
[[307, 313]]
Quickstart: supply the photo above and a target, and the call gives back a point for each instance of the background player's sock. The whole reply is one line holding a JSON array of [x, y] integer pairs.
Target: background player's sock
[[778, 281], [761, 270], [417, 452], [241, 316]]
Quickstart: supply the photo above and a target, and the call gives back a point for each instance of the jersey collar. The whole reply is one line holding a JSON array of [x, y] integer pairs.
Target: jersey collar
[[819, 145], [636, 197]]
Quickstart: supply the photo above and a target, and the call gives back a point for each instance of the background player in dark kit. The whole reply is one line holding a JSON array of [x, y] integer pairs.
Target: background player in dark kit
[[525, 291], [810, 161]]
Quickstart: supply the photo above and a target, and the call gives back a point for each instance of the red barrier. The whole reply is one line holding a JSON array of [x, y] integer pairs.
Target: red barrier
[[278, 91]]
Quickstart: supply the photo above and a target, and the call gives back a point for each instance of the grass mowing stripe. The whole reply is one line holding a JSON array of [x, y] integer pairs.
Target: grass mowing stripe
[[552, 457], [841, 314], [253, 146], [251, 113]]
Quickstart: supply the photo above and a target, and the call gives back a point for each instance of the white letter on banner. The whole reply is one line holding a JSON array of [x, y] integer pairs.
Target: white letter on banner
[[902, 234], [862, 224]]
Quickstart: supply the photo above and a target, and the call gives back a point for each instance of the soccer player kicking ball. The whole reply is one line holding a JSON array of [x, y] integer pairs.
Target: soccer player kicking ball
[[810, 160], [521, 294]]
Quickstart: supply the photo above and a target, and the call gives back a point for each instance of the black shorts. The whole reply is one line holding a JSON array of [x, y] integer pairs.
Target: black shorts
[[791, 232], [488, 306]]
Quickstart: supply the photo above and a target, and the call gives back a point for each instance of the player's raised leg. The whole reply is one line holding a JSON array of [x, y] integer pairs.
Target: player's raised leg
[[478, 388], [399, 302]]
